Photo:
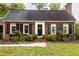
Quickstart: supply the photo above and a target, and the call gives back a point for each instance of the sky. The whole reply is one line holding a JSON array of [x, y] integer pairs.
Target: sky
[[30, 6], [75, 8]]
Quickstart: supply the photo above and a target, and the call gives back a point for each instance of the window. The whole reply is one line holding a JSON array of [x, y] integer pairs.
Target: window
[[25, 28], [53, 29], [59, 28], [65, 29], [12, 28]]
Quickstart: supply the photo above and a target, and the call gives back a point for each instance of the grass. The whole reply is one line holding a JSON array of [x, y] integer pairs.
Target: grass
[[54, 49]]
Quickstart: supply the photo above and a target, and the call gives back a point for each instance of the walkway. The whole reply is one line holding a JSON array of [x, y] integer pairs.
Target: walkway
[[42, 44], [10, 44]]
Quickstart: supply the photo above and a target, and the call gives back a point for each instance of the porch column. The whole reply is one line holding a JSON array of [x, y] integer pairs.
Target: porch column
[[74, 29], [3, 30]]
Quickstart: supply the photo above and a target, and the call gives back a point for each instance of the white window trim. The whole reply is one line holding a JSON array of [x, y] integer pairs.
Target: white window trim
[[24, 28], [12, 24], [53, 25], [67, 28]]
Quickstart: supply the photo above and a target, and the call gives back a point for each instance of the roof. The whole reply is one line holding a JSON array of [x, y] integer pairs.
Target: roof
[[45, 15]]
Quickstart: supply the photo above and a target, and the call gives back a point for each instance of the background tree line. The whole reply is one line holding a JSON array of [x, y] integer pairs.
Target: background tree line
[[4, 7]]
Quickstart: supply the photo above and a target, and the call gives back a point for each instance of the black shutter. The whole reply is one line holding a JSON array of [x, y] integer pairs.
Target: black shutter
[[30, 28], [21, 28], [17, 27], [57, 28], [49, 28], [70, 28], [8, 28], [61, 28]]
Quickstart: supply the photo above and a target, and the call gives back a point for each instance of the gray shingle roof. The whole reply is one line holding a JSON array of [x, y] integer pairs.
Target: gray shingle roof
[[50, 15]]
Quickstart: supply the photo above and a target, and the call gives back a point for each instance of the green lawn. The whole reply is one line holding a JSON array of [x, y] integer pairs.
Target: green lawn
[[57, 49]]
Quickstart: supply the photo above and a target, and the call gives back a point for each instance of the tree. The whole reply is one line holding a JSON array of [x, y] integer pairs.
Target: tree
[[19, 5], [77, 31], [54, 6], [39, 6], [5, 7]]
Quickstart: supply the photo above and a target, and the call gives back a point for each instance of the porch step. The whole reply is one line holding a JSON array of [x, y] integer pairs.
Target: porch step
[[40, 37]]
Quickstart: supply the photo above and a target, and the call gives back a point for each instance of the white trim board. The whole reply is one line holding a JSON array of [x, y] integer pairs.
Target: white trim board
[[33, 21], [67, 25], [12, 24], [24, 28], [53, 25]]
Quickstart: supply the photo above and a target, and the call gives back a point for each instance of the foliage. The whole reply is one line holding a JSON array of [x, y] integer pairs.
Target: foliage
[[39, 6], [77, 31], [45, 36], [16, 36], [51, 37], [34, 36], [7, 37], [62, 37], [29, 37], [65, 30], [54, 6], [5, 7], [14, 5]]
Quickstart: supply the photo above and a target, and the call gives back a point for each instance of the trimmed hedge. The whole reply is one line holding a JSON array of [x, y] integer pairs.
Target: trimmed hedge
[[62, 37], [29, 37], [16, 36], [51, 37]]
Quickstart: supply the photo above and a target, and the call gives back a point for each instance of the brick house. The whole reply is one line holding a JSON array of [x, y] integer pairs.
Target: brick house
[[38, 22]]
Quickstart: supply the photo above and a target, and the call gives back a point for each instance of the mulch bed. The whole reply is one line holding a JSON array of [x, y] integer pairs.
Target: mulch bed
[[20, 42], [37, 40]]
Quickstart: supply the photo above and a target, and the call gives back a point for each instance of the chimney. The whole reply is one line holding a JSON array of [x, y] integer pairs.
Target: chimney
[[68, 7]]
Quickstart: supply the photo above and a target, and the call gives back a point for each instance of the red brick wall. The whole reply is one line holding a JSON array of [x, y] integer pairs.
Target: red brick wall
[[33, 25], [46, 25]]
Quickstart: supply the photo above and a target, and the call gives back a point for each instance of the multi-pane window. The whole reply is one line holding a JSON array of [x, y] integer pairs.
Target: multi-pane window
[[25, 28], [12, 28], [53, 28], [65, 29]]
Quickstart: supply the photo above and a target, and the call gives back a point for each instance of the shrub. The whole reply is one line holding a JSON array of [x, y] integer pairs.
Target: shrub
[[77, 31], [65, 39], [45, 36], [29, 37], [7, 37], [62, 37], [25, 36], [77, 35], [51, 37], [35, 36], [17, 36], [14, 38]]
